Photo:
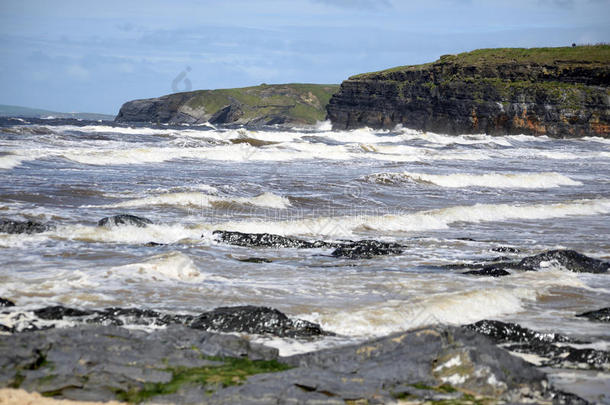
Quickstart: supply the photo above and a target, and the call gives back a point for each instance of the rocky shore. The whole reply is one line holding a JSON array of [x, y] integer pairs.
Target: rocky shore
[[141, 355], [559, 92]]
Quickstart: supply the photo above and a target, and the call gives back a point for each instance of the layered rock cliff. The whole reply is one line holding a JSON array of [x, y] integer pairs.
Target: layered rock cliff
[[257, 105], [541, 91]]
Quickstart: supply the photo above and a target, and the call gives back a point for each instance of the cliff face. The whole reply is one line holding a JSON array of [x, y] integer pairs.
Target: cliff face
[[541, 91], [262, 105]]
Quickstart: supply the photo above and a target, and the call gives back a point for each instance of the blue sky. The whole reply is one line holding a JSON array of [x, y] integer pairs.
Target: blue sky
[[81, 55]]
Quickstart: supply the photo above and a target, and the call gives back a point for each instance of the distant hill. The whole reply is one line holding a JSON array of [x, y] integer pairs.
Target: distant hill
[[267, 104], [18, 111]]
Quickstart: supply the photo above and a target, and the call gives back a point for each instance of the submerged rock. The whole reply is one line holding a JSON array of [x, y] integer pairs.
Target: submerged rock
[[256, 320], [491, 271], [266, 240], [505, 249], [6, 303], [27, 227], [600, 315], [366, 249], [124, 219], [569, 259], [59, 312], [255, 260]]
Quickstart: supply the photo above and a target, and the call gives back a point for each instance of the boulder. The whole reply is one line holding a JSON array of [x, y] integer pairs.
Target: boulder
[[255, 320], [570, 259], [124, 220], [27, 227]]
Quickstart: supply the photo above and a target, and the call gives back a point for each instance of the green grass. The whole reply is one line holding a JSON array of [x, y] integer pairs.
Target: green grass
[[305, 103], [589, 54], [232, 371]]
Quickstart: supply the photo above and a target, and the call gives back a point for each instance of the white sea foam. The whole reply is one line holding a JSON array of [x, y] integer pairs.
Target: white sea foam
[[167, 266], [348, 226], [196, 199], [455, 308], [494, 180], [169, 233]]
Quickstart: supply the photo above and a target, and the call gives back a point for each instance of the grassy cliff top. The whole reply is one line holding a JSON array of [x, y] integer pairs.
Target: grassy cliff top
[[300, 101], [577, 55]]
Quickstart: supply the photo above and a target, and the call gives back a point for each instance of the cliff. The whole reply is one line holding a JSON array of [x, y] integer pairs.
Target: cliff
[[257, 105], [541, 91]]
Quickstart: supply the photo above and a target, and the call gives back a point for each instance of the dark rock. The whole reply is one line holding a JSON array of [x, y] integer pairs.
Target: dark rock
[[28, 227], [416, 365], [58, 312], [570, 259], [6, 303], [489, 271], [431, 364], [255, 260], [565, 356], [135, 316], [258, 320], [505, 249], [519, 339], [366, 249], [124, 219], [266, 240], [600, 315], [154, 244], [567, 398], [503, 332]]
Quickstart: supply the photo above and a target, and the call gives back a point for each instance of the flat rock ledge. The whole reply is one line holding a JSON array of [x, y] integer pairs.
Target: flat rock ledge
[[187, 366]]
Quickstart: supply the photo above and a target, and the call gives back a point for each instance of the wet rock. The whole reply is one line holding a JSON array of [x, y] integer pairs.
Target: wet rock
[[503, 332], [135, 316], [6, 303], [59, 312], [255, 260], [99, 362], [266, 240], [552, 347], [27, 227], [366, 249], [505, 249], [600, 315], [570, 259], [565, 356], [124, 219], [256, 320], [104, 362], [421, 365], [490, 271], [154, 244]]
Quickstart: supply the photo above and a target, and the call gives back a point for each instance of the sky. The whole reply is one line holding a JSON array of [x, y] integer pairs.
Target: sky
[[92, 56]]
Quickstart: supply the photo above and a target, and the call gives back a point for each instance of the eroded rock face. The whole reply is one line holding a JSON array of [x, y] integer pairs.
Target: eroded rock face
[[496, 92], [28, 227], [600, 315], [124, 219], [255, 320]]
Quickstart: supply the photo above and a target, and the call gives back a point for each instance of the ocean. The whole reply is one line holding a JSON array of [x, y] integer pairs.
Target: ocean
[[449, 199]]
